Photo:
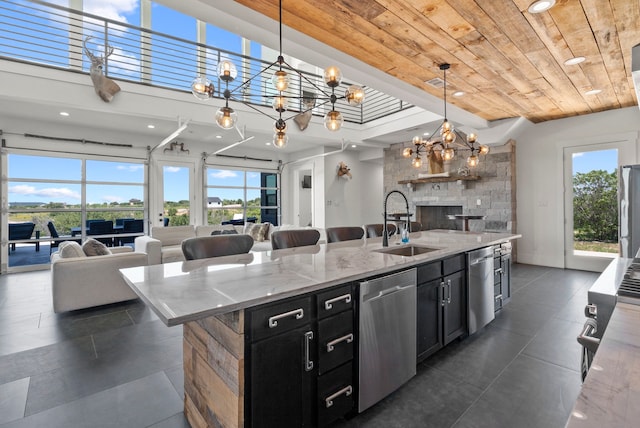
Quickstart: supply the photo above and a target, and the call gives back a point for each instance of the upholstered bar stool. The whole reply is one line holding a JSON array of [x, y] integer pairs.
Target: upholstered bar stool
[[294, 238], [203, 247], [347, 233], [375, 230]]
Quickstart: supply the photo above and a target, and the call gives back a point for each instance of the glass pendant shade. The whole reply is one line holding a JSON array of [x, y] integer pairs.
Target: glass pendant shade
[[280, 104], [227, 70], [483, 149], [226, 117], [416, 162], [280, 80], [472, 138], [407, 152], [354, 95], [416, 140], [332, 76], [333, 120], [472, 161], [202, 88], [280, 139], [448, 153]]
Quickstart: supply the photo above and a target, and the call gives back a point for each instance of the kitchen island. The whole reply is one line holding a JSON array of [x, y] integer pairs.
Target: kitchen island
[[224, 335]]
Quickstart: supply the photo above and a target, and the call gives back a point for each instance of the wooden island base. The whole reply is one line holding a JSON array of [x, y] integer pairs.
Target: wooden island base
[[213, 353]]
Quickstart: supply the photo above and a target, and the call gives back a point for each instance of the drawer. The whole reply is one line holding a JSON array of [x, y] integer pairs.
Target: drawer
[[453, 264], [497, 275], [336, 394], [336, 340], [269, 320], [429, 272], [334, 301], [497, 305]]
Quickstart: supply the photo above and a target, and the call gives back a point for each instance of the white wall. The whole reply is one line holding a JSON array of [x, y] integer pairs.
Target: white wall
[[539, 170]]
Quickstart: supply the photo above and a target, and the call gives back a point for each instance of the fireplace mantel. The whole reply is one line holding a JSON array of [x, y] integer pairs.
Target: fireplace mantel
[[440, 179]]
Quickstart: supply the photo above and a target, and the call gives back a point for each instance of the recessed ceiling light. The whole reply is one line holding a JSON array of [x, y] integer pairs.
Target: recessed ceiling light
[[267, 143], [354, 146], [575, 60], [426, 134], [593, 92], [218, 136], [458, 94], [150, 126], [64, 113], [541, 6]]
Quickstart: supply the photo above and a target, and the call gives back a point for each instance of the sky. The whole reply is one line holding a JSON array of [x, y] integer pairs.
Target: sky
[[593, 160]]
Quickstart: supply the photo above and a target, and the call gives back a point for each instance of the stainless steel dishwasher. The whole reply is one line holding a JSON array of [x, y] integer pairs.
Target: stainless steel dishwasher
[[387, 335], [480, 282]]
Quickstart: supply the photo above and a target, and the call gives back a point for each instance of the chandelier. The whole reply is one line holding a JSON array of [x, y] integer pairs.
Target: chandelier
[[226, 117], [445, 140]]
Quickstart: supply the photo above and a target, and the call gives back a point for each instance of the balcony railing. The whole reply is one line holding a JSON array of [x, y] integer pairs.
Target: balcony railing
[[52, 36]]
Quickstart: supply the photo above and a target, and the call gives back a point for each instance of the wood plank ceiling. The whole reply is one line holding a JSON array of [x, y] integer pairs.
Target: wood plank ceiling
[[507, 61]]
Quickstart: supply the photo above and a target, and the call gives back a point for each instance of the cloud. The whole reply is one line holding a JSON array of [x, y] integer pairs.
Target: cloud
[[111, 9], [172, 169], [54, 193], [130, 168], [223, 174]]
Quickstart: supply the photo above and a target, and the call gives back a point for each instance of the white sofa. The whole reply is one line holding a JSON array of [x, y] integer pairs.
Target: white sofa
[[164, 244], [84, 282]]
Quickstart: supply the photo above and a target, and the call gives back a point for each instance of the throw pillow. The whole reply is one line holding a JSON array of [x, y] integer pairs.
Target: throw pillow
[[92, 247], [259, 231], [70, 249], [225, 232]]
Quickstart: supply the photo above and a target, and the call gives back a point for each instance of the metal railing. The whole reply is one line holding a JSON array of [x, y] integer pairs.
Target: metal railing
[[48, 35]]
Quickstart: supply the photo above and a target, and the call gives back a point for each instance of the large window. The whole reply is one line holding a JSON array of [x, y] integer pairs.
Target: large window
[[234, 196], [51, 193]]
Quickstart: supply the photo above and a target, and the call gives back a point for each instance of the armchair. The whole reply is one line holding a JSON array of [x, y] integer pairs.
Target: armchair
[[22, 231]]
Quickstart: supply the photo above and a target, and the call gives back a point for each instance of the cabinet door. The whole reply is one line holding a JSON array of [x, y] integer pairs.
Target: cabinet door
[[429, 318], [455, 308], [281, 382]]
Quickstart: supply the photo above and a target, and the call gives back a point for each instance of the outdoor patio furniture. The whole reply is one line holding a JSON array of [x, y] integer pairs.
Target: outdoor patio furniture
[[22, 231], [56, 239], [101, 227], [130, 226]]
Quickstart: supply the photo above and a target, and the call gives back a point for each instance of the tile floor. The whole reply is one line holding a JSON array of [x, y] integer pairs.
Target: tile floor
[[119, 366]]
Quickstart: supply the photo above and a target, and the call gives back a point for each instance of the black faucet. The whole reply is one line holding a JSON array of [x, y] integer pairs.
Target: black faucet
[[385, 235]]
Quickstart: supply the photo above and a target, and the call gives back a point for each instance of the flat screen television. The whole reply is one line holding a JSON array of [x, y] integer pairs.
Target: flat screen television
[[306, 182]]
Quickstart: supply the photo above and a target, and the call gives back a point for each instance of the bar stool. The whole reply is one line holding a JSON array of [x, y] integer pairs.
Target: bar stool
[[375, 230], [346, 233], [281, 239], [203, 247]]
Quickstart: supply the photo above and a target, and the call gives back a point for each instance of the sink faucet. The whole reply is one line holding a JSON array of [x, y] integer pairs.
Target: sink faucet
[[385, 235]]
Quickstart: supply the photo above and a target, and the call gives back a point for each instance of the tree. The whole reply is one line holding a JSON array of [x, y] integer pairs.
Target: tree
[[595, 206]]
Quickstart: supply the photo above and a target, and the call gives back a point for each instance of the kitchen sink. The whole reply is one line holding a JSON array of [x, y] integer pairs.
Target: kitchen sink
[[407, 250]]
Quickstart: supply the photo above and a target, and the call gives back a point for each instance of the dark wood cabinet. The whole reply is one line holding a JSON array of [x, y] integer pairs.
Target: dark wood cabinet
[[300, 358], [442, 304]]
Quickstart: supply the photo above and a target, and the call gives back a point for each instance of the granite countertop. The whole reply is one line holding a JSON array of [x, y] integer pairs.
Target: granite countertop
[[610, 395], [186, 291]]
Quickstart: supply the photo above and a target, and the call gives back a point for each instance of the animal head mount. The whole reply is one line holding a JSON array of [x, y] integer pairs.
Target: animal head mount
[[105, 87], [344, 170]]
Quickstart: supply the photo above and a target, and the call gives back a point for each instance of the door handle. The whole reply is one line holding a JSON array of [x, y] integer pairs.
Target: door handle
[[329, 303], [449, 292], [346, 338], [347, 391], [444, 300], [273, 321], [308, 363]]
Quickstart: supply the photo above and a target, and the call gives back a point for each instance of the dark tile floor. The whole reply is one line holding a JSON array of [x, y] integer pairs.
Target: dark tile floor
[[119, 366]]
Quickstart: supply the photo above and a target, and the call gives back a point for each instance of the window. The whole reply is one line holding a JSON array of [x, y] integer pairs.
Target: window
[[50, 189], [236, 195]]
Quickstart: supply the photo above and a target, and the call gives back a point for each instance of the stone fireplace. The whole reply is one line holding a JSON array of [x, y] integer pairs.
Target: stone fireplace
[[492, 194]]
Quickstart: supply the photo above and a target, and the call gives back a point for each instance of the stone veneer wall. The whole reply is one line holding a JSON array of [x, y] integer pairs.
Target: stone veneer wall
[[496, 188]]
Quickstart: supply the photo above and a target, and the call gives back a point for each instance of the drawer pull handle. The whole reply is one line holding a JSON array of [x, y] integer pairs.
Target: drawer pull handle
[[273, 321], [347, 338], [498, 297], [308, 364], [329, 303], [347, 391], [499, 271]]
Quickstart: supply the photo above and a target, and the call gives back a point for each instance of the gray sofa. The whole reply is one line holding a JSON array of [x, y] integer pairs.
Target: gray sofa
[[84, 282]]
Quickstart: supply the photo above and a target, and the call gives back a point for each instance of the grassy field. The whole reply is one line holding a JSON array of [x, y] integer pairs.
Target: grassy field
[[602, 247]]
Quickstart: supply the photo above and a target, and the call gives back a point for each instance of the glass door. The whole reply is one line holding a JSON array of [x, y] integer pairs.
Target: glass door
[[591, 205], [177, 200]]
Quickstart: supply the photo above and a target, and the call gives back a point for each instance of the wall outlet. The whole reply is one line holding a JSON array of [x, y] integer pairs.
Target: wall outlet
[[478, 202]]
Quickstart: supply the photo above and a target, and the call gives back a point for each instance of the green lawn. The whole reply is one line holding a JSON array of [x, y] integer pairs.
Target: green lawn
[[601, 247]]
